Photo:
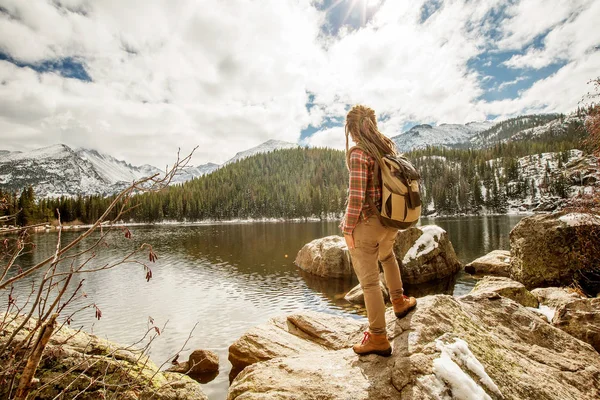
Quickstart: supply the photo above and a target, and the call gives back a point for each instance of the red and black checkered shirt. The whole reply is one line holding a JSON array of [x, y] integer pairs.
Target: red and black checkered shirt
[[362, 167]]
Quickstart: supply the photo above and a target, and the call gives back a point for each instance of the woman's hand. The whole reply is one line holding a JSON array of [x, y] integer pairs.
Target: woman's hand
[[349, 241]]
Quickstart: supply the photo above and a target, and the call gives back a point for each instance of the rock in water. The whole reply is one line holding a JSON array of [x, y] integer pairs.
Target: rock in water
[[477, 347], [327, 257], [581, 319], [496, 263], [550, 250], [200, 363], [429, 257], [356, 295], [507, 288]]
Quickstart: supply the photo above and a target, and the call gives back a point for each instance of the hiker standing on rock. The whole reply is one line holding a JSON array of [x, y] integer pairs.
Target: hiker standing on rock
[[367, 238]]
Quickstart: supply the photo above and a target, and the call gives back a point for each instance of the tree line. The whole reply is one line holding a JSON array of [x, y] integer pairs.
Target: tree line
[[312, 182]]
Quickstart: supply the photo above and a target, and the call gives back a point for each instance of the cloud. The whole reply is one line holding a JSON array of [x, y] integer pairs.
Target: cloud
[[228, 75], [333, 138], [570, 40], [560, 92]]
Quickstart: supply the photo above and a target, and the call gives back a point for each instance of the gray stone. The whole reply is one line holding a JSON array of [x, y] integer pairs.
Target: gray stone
[[327, 257], [496, 263], [507, 288]]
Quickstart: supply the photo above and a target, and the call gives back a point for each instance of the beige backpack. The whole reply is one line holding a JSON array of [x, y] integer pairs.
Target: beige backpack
[[400, 191]]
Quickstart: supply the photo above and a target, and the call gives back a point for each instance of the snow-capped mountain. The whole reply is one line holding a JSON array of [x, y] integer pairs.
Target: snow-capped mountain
[[52, 171], [58, 170], [518, 128], [113, 170], [421, 136], [265, 147], [190, 173]]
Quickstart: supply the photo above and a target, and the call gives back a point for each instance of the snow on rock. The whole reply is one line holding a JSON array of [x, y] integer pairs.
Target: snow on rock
[[578, 219], [426, 243], [449, 368]]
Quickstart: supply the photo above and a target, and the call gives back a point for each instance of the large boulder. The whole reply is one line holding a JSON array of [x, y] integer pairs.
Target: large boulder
[[327, 257], [75, 360], [555, 297], [553, 249], [425, 254], [495, 263], [581, 319], [507, 288], [476, 347]]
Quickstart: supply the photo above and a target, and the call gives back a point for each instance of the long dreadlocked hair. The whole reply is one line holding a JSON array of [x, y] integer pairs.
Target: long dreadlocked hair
[[361, 125]]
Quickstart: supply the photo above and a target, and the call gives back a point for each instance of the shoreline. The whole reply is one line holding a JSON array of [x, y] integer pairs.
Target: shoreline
[[208, 222]]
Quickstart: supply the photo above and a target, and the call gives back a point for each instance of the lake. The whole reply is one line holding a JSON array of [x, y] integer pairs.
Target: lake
[[228, 278]]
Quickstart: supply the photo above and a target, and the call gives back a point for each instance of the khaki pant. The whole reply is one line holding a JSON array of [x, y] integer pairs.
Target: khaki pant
[[373, 242]]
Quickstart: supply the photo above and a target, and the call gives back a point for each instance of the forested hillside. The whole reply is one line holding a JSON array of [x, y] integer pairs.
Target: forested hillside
[[520, 175]]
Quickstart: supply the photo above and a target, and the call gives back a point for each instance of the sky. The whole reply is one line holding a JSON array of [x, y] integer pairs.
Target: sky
[[140, 79]]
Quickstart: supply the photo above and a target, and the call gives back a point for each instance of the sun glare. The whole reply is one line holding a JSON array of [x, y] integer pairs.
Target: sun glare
[[353, 7]]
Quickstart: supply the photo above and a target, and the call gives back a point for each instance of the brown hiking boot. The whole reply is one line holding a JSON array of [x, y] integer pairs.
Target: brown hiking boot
[[403, 305], [373, 344]]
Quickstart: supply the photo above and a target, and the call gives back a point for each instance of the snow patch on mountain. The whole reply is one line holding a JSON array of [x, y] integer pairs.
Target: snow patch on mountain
[[113, 170], [266, 147], [421, 136]]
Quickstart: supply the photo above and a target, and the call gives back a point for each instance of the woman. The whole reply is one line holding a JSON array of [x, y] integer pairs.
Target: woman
[[367, 239]]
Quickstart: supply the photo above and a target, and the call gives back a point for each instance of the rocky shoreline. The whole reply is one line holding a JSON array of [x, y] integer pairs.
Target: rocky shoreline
[[512, 337]]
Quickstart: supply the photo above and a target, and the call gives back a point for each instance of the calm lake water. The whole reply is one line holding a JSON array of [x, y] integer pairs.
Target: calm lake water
[[228, 278]]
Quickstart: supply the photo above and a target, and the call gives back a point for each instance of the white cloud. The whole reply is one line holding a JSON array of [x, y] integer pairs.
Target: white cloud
[[228, 75], [560, 92], [575, 32], [530, 18], [333, 138]]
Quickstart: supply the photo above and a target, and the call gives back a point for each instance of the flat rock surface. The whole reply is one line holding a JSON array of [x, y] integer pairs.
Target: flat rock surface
[[481, 346], [508, 288]]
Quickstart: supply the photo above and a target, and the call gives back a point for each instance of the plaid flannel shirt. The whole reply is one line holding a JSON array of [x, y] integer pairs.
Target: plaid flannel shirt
[[362, 167]]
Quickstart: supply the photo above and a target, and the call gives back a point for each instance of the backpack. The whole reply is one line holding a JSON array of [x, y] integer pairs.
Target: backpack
[[400, 191]]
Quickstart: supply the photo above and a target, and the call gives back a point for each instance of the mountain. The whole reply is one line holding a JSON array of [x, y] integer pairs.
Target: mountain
[[509, 129], [193, 172], [265, 147], [52, 171], [113, 170], [448, 135], [58, 170]]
